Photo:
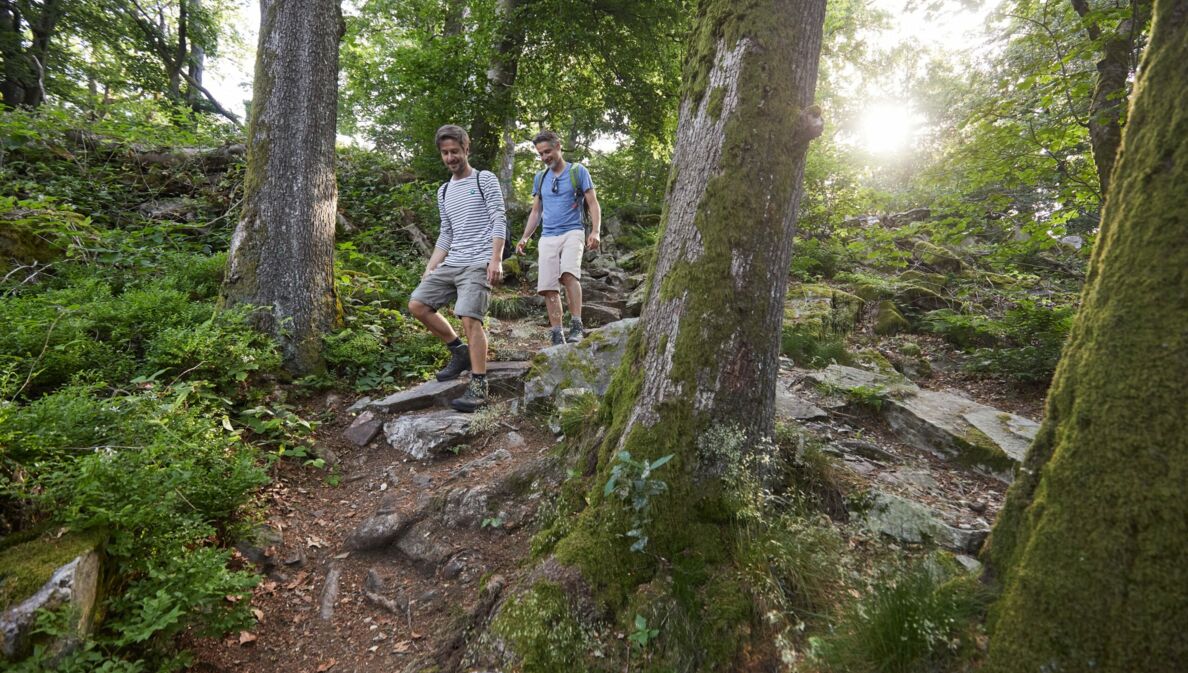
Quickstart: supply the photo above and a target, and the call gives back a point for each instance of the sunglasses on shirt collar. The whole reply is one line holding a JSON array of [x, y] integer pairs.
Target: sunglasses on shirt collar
[[556, 179]]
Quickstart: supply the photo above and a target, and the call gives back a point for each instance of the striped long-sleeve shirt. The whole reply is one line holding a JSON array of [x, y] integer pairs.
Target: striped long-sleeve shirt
[[470, 219]]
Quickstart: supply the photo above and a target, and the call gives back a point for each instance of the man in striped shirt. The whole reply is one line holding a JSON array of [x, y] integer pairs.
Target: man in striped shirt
[[466, 261]]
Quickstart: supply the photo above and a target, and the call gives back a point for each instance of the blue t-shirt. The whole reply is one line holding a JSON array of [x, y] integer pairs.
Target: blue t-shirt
[[560, 213]]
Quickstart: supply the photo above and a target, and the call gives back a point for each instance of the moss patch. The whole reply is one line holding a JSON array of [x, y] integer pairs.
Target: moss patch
[[26, 567], [543, 631]]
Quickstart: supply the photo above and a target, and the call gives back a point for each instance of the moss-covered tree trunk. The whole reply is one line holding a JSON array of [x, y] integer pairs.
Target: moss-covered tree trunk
[[282, 252], [703, 360], [1092, 545]]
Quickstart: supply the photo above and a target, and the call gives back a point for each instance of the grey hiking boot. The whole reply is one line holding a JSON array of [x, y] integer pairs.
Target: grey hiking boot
[[474, 397], [576, 333], [459, 362], [556, 336]]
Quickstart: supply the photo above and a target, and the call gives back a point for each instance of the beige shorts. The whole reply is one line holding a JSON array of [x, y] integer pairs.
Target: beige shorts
[[558, 255]]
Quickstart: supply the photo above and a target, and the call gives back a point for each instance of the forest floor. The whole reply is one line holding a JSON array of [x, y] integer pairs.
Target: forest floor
[[313, 611]]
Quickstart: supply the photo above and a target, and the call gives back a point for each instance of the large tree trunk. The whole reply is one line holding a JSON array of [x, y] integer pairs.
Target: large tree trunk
[[498, 112], [1110, 89], [703, 360], [175, 65], [25, 67], [1090, 547], [282, 252]]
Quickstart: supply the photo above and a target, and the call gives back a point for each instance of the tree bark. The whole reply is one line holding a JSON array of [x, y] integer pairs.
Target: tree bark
[[175, 65], [703, 360], [489, 129], [282, 252], [196, 66], [1090, 546], [1110, 89], [25, 67]]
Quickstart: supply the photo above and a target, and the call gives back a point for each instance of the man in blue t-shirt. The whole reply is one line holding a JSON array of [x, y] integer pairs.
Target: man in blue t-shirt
[[558, 207]]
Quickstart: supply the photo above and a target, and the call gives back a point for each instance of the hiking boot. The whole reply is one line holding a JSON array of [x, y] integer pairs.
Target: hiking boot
[[474, 397], [459, 362], [556, 337], [576, 333]]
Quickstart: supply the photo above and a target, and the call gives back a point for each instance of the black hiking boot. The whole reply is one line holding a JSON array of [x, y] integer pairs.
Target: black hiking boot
[[556, 337], [459, 362], [474, 397]]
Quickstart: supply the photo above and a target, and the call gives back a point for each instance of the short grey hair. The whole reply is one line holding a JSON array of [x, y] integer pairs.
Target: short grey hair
[[547, 136]]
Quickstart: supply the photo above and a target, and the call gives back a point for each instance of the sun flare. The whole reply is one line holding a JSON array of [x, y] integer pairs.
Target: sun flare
[[888, 127]]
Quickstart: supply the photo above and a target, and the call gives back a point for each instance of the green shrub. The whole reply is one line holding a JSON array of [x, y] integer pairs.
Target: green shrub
[[223, 349], [807, 349], [814, 259], [1034, 335], [912, 621]]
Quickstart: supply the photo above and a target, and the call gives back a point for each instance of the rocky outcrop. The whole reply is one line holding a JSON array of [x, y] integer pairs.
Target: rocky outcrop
[[589, 364], [955, 427]]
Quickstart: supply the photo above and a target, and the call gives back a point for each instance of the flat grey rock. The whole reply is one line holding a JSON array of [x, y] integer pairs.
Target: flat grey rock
[[946, 424], [425, 435], [789, 406], [426, 395], [363, 429], [597, 315], [915, 523], [359, 405]]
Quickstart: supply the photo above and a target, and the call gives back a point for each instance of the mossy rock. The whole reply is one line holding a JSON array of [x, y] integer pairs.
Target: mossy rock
[[935, 257], [822, 310], [932, 281], [889, 320], [74, 563]]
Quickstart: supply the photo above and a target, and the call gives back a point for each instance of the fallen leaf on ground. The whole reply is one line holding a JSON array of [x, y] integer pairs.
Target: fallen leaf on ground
[[246, 637], [259, 614], [326, 665], [298, 580], [402, 646]]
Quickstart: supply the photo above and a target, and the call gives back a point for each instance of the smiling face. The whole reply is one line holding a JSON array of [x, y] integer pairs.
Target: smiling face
[[454, 156], [549, 153]]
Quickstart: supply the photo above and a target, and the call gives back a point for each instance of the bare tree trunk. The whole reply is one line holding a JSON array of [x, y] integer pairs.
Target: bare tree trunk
[[488, 131], [178, 62], [455, 16], [1110, 90], [282, 252], [196, 65], [25, 68]]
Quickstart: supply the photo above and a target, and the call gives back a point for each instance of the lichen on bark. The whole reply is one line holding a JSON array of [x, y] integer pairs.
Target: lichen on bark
[[1090, 547]]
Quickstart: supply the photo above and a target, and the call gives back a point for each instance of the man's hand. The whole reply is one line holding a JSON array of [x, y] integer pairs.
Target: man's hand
[[520, 246], [495, 272], [428, 270], [593, 241]]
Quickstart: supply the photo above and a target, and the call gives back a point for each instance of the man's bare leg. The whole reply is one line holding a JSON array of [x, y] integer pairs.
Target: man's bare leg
[[573, 295], [553, 306], [437, 325], [476, 338]]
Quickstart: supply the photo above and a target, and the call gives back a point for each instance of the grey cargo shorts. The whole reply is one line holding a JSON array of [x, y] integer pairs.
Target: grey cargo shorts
[[468, 284]]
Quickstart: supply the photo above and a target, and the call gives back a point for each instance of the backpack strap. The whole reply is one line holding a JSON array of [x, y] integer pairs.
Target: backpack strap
[[538, 182], [478, 174]]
